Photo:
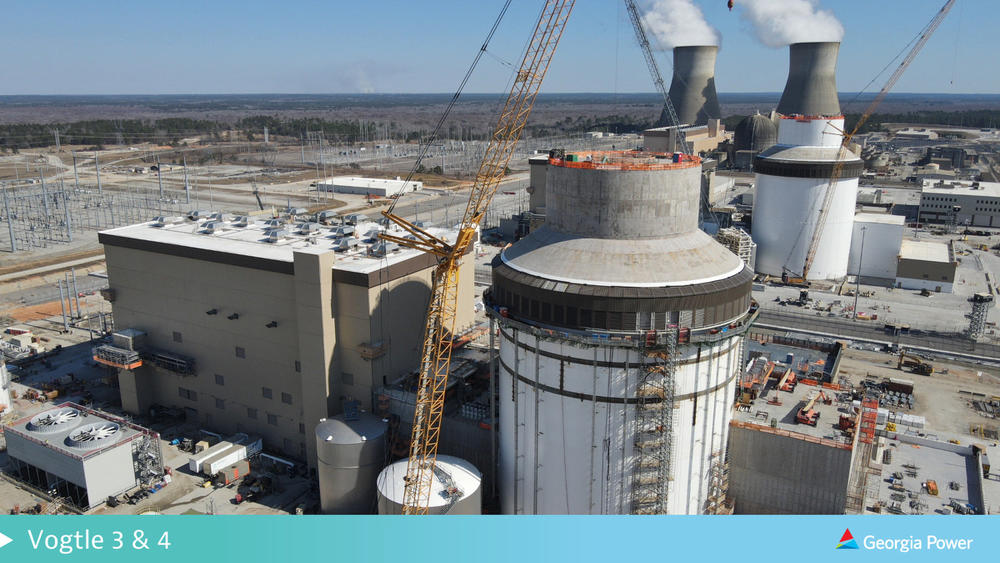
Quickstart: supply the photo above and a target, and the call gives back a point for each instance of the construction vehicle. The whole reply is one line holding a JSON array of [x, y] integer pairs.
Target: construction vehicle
[[436, 348], [807, 414], [788, 381], [916, 364], [838, 167]]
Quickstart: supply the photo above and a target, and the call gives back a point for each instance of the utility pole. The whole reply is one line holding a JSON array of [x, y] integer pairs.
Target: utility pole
[[69, 223], [857, 279], [75, 175], [62, 305], [76, 295], [97, 166], [56, 133], [159, 176], [45, 193], [266, 139], [187, 185]]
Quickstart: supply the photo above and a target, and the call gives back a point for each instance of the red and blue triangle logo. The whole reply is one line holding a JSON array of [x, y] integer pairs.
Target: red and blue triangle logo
[[847, 541]]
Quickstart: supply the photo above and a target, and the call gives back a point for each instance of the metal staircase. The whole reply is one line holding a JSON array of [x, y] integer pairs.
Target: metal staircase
[[654, 426]]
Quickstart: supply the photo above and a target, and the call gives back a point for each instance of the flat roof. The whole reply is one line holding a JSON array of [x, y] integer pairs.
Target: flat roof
[[883, 218], [925, 251], [962, 188], [362, 182], [250, 241], [54, 428], [918, 463]]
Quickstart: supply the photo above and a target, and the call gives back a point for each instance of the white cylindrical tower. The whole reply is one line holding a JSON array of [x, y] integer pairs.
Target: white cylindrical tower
[[794, 175], [5, 402], [456, 487], [620, 342]]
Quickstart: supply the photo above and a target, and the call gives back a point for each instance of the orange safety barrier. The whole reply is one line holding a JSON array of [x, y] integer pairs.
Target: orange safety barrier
[[627, 160]]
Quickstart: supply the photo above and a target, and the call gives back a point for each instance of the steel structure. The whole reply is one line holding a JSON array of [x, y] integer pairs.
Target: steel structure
[[436, 349]]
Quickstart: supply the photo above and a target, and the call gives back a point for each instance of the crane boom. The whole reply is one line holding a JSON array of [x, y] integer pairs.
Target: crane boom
[[654, 69], [436, 349], [839, 164]]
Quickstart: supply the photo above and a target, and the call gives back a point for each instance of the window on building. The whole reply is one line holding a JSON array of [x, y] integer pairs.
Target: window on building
[[219, 380], [288, 445], [298, 366], [187, 394], [266, 392], [240, 352], [220, 403], [272, 419], [251, 413], [286, 398], [302, 428], [178, 337]]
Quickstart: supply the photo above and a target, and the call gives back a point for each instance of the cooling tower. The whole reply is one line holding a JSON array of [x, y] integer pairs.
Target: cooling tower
[[811, 88], [794, 176], [692, 89], [620, 328]]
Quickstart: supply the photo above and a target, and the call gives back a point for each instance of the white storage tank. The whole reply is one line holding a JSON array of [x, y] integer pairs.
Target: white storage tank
[[351, 453], [456, 487], [5, 403]]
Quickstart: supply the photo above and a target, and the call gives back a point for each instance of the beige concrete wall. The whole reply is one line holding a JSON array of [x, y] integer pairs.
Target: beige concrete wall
[[320, 325]]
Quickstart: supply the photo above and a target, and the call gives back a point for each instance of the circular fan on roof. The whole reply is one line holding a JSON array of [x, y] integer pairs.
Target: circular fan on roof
[[53, 420], [93, 435]]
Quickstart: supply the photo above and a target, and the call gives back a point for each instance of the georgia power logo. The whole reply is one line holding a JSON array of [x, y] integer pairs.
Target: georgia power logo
[[847, 541]]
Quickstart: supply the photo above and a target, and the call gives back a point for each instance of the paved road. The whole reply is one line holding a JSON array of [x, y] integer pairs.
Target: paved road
[[949, 342], [47, 293]]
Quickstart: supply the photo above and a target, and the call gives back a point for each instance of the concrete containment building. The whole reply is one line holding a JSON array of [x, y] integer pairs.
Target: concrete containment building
[[351, 453], [793, 175], [261, 337], [82, 455], [692, 88], [620, 340]]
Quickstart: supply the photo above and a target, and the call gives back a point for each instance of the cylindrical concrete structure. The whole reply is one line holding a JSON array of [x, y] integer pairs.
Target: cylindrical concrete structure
[[692, 88], [811, 88], [755, 133], [351, 453], [456, 487], [794, 176], [620, 342]]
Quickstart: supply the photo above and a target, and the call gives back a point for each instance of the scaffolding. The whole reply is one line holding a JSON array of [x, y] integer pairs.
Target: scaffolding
[[718, 485], [113, 356], [654, 425], [981, 303], [739, 243]]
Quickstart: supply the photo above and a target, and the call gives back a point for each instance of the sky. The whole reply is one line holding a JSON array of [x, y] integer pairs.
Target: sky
[[399, 46]]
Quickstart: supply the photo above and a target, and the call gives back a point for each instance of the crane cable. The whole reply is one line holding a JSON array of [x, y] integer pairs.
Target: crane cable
[[451, 104]]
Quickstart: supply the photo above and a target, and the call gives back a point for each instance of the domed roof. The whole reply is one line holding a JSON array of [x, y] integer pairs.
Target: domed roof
[[755, 133]]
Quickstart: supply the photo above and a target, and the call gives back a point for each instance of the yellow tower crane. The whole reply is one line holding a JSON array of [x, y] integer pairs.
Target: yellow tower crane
[[838, 167], [435, 356]]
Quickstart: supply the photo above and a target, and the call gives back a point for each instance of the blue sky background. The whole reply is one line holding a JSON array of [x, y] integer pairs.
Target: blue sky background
[[397, 46]]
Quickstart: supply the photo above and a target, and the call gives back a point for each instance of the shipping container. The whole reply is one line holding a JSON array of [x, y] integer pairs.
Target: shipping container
[[217, 463]]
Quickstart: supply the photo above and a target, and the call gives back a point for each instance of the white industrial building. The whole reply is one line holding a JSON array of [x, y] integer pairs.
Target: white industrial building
[[956, 202], [926, 265], [379, 187], [875, 245], [82, 455]]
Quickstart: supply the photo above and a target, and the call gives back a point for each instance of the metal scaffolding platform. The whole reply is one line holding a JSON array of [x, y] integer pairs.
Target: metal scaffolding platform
[[654, 429], [113, 356]]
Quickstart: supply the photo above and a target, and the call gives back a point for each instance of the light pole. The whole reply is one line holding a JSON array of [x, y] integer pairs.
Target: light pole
[[857, 277]]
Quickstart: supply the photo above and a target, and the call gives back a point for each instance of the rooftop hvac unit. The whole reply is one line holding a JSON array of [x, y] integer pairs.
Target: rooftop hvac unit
[[274, 223], [382, 248], [129, 338], [212, 227], [307, 228], [93, 435], [163, 221], [54, 420], [217, 216], [345, 244], [274, 235], [342, 231], [355, 218], [240, 221], [198, 215]]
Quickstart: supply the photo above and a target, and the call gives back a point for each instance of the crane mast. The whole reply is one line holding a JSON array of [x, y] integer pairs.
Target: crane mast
[[654, 69], [435, 359], [839, 164]]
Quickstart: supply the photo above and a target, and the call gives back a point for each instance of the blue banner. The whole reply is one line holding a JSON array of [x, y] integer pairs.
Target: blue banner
[[487, 539]]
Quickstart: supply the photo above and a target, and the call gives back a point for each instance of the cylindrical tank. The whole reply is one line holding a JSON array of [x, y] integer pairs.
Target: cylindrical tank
[[456, 487], [692, 88], [4, 387], [351, 453]]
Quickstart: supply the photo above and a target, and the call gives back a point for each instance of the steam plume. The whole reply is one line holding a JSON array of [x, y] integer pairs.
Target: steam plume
[[678, 23], [781, 22]]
